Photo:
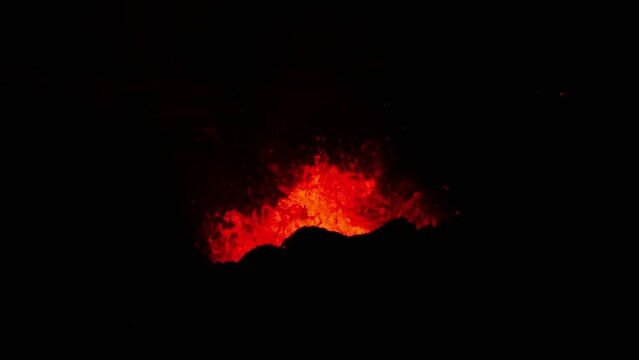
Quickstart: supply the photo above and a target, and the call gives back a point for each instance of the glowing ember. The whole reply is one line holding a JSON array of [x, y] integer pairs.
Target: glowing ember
[[324, 195]]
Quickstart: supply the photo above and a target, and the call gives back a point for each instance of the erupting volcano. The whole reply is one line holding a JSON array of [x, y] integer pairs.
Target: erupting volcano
[[345, 199]]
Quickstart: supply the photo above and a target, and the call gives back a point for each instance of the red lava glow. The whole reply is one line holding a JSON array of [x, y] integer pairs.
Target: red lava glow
[[343, 200]]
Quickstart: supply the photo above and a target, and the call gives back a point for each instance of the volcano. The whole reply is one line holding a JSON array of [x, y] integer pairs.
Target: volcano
[[151, 118], [342, 197]]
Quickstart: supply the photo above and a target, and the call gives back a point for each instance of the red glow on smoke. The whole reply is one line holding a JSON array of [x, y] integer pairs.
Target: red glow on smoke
[[344, 199]]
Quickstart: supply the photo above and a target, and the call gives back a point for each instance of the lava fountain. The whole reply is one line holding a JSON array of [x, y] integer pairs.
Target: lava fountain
[[344, 199]]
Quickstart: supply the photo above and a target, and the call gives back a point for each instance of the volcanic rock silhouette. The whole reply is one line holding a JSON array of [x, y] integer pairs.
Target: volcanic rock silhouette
[[397, 284], [319, 250], [395, 246], [394, 268]]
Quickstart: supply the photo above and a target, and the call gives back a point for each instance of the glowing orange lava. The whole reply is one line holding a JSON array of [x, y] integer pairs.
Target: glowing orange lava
[[324, 195]]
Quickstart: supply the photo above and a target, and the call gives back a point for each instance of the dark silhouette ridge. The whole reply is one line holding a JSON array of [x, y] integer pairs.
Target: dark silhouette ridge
[[396, 284], [317, 249], [396, 243], [395, 270]]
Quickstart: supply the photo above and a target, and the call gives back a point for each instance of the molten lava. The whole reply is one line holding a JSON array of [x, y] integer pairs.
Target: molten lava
[[343, 200]]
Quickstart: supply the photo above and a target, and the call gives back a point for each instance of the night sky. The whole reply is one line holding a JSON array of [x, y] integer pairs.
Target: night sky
[[151, 113]]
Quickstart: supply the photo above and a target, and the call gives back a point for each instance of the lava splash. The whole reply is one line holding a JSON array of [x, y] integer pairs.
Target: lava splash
[[347, 199]]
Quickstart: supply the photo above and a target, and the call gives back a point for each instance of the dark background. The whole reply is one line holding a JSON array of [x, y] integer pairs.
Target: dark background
[[140, 116]]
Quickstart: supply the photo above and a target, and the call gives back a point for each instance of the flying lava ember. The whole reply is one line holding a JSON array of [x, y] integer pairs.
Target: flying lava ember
[[337, 197]]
